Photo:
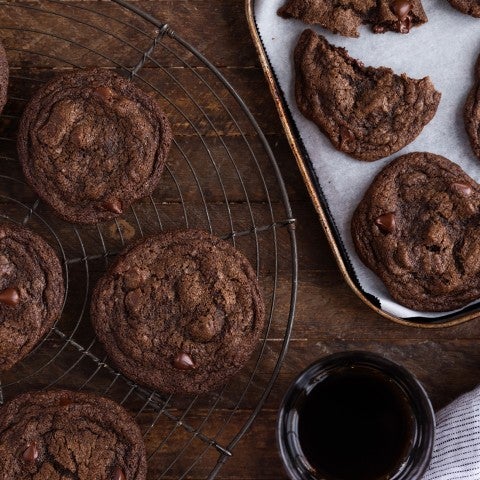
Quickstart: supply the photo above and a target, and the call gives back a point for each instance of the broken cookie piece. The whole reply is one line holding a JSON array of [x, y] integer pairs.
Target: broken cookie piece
[[345, 17], [368, 113]]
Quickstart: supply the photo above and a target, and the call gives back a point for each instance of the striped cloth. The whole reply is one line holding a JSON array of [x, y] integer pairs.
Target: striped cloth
[[456, 453]]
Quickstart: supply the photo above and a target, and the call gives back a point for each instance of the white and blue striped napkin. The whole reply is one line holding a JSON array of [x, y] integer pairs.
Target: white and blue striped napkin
[[456, 452]]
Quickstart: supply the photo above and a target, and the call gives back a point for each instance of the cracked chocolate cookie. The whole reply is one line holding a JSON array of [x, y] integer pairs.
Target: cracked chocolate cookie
[[418, 228], [31, 292], [91, 143], [471, 112], [3, 77], [179, 312], [59, 435], [368, 113], [345, 18], [470, 7]]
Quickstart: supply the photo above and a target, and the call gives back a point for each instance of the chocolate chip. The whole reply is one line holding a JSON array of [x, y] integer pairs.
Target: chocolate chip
[[401, 8], [30, 455], [10, 297], [118, 474], [405, 25], [65, 401], [104, 93], [183, 361], [386, 222], [462, 189], [114, 205]]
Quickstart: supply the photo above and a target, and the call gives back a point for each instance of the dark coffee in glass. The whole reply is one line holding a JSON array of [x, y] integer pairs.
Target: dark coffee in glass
[[356, 416]]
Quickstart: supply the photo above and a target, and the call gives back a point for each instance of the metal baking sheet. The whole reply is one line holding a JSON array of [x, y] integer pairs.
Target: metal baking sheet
[[445, 49]]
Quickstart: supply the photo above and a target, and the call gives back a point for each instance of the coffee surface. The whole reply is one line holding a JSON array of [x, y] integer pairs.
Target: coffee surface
[[355, 425]]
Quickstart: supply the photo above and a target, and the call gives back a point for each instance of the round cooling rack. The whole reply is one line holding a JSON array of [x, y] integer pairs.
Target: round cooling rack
[[221, 177]]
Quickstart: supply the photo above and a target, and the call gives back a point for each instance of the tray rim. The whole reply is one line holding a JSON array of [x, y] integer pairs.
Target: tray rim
[[308, 179]]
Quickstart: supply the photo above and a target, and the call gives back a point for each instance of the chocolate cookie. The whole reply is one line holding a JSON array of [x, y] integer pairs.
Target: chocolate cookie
[[180, 312], [31, 292], [3, 77], [368, 113], [470, 7], [56, 435], [471, 112], [418, 228], [91, 143], [344, 18]]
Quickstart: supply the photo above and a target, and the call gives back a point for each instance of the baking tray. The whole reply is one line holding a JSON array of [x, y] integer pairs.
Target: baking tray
[[315, 191]]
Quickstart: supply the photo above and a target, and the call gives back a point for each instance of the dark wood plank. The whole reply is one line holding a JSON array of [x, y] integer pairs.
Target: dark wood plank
[[218, 30]]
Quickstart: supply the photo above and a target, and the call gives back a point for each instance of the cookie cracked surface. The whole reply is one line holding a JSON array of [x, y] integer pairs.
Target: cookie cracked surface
[[368, 113], [64, 435], [346, 16], [180, 312], [91, 143], [417, 228], [31, 291]]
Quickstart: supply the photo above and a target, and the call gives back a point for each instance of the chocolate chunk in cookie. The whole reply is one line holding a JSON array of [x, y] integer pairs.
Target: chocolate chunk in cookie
[[91, 143], [470, 7], [368, 113], [418, 228], [3, 77], [345, 18], [471, 112], [31, 292], [180, 312], [56, 435]]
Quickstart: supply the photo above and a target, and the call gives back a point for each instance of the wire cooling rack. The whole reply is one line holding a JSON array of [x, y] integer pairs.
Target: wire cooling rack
[[221, 177]]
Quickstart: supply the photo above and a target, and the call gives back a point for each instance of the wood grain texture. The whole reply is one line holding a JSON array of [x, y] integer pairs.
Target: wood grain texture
[[329, 318]]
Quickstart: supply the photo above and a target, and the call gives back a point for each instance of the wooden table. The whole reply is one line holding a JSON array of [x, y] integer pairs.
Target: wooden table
[[329, 317]]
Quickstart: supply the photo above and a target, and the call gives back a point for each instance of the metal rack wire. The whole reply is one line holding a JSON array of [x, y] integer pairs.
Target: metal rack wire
[[221, 176]]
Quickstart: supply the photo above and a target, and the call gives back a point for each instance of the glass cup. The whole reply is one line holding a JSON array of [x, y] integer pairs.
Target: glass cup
[[418, 451]]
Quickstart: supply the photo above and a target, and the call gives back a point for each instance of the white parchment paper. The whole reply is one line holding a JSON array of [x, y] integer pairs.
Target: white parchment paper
[[445, 49]]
